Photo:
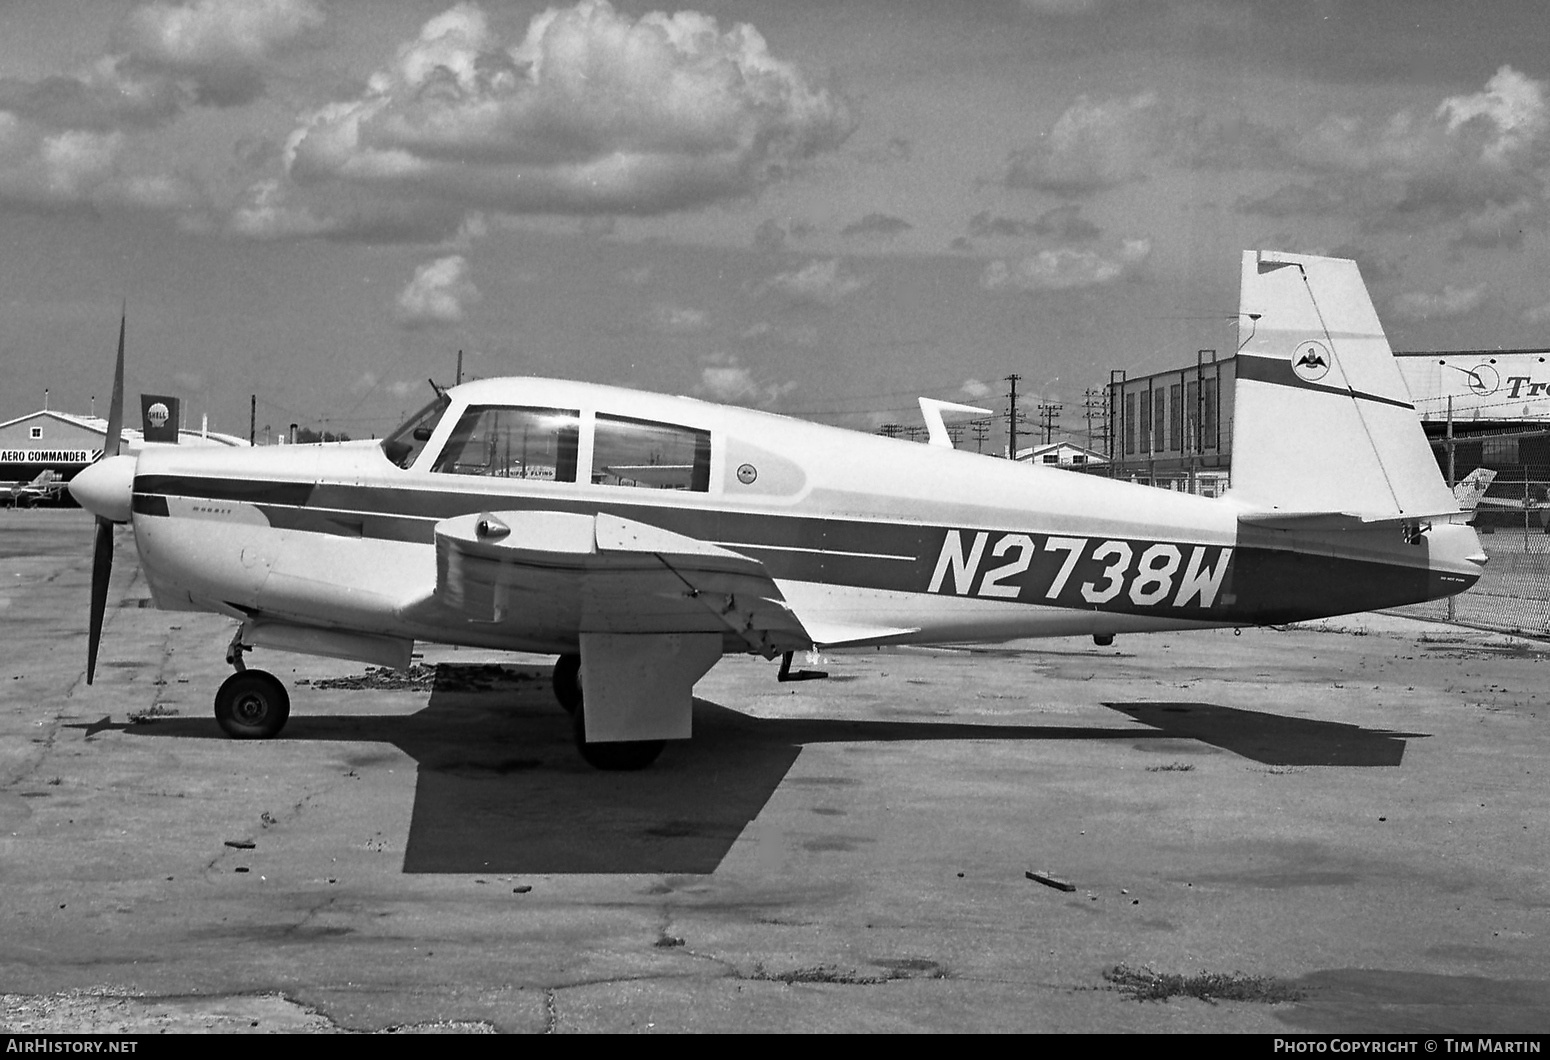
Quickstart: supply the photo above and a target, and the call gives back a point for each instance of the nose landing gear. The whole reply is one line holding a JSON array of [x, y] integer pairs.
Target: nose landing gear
[[250, 704]]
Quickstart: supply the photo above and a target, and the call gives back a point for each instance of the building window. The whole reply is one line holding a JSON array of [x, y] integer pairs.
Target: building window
[[1495, 451], [1079, 458], [649, 455], [1192, 417], [1051, 458], [1144, 422], [1130, 422], [1159, 421], [37, 432], [1209, 439], [1175, 417]]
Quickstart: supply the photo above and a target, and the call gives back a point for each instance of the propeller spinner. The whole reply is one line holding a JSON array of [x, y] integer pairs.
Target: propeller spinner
[[101, 490]]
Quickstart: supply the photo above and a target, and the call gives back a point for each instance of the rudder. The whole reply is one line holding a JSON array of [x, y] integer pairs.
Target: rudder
[[1322, 420]]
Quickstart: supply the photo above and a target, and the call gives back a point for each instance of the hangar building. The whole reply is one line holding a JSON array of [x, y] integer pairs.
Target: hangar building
[[48, 440], [1480, 408]]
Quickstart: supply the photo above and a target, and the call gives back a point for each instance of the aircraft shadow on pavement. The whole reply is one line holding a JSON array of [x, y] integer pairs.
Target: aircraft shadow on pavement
[[501, 789], [1273, 739]]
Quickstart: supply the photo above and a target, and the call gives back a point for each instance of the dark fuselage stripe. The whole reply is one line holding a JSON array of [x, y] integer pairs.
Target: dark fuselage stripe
[[1279, 372], [1259, 584]]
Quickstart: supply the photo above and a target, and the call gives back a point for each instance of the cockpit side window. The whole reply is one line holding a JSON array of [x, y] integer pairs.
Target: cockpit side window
[[503, 442], [405, 443], [650, 455]]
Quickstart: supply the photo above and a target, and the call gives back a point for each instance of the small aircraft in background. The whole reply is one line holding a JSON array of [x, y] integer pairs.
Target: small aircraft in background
[[1471, 488], [47, 487], [1533, 497], [639, 537]]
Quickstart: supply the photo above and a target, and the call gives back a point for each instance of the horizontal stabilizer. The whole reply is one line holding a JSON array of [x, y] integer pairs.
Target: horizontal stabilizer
[[1339, 520]]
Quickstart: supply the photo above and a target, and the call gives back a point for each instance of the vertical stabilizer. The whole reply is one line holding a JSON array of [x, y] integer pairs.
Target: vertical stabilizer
[[1322, 420]]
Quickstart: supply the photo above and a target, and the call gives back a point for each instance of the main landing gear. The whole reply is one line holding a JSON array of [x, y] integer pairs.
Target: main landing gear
[[615, 756], [251, 704]]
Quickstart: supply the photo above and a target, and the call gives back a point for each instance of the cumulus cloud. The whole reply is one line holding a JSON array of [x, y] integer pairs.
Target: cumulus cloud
[[110, 94], [1096, 145], [1477, 162], [437, 294], [590, 112], [271, 209], [1063, 223], [877, 224], [220, 46], [975, 389], [1091, 147], [724, 379], [1448, 303], [678, 320], [1066, 268], [63, 138], [166, 57], [79, 169], [820, 282]]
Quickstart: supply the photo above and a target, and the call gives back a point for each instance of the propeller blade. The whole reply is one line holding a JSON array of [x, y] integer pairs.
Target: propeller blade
[[101, 569], [102, 550], [112, 441]]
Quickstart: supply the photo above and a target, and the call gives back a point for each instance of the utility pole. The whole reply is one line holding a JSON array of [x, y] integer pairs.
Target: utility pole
[[1096, 408], [459, 367], [1049, 413], [252, 419], [1011, 418], [981, 429]]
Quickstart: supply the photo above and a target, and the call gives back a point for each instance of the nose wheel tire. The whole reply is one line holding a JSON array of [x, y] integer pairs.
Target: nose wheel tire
[[252, 705]]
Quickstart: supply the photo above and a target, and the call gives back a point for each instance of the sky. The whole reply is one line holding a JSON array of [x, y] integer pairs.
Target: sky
[[814, 207]]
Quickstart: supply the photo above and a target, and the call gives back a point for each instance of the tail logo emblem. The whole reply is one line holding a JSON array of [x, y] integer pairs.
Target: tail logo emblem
[[1311, 361]]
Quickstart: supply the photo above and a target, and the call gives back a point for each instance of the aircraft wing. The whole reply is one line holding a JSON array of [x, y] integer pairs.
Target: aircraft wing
[[605, 574]]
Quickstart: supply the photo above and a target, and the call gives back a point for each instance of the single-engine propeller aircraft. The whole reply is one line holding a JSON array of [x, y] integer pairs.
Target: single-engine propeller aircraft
[[640, 537], [48, 486]]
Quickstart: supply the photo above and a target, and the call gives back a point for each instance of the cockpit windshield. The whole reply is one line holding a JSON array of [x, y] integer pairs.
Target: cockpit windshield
[[404, 444]]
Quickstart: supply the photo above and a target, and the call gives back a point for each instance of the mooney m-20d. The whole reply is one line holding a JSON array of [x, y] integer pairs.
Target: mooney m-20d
[[640, 537]]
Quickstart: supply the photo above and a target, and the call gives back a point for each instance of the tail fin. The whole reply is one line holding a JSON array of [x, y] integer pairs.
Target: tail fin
[[1472, 487], [1322, 420]]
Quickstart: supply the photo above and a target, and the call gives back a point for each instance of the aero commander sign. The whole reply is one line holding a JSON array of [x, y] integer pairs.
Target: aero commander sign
[[1481, 386], [47, 456]]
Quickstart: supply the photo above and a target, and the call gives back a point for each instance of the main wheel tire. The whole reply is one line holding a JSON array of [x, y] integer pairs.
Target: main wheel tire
[[567, 682], [252, 705], [620, 756]]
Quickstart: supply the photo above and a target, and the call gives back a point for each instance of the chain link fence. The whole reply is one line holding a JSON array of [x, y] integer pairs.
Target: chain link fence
[[1513, 595]]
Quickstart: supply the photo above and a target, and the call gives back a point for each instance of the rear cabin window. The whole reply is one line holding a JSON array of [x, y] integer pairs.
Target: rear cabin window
[[525, 443], [650, 455]]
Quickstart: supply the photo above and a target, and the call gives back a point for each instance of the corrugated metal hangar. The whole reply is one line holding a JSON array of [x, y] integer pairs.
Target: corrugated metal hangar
[[63, 443]]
